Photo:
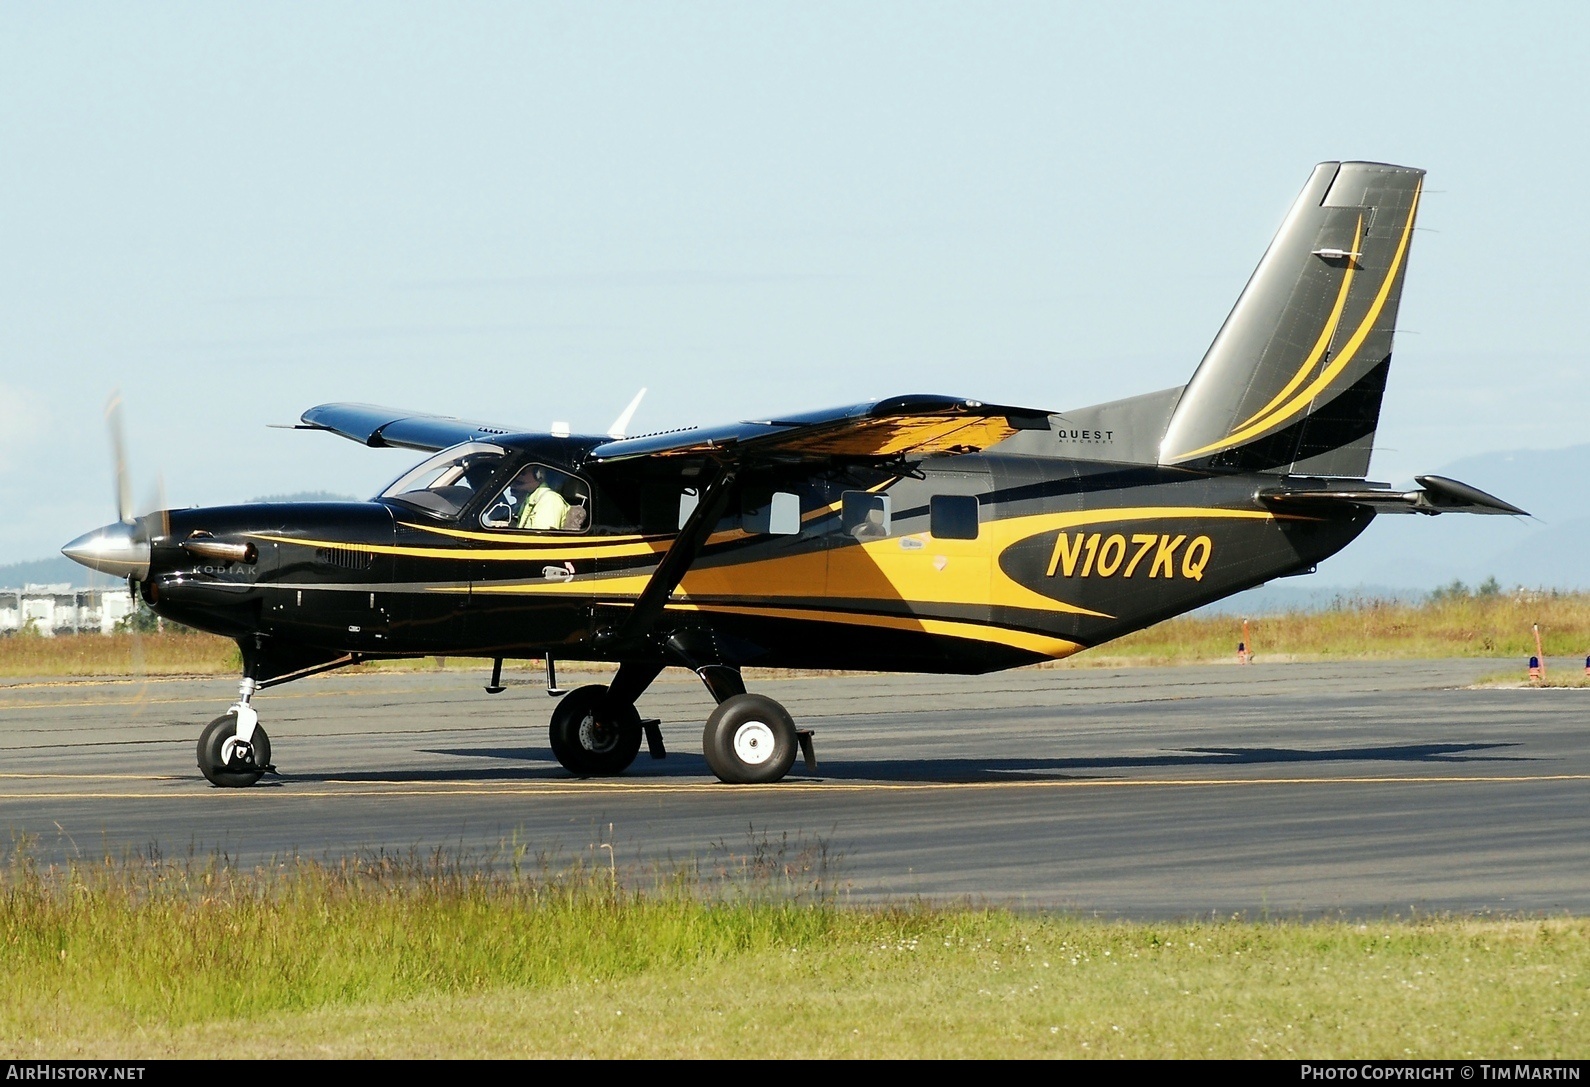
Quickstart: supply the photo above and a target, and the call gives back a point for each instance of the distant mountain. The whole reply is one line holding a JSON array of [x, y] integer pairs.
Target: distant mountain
[[305, 496], [54, 571], [1288, 595]]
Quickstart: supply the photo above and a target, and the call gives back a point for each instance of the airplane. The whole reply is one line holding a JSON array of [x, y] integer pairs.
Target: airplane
[[917, 533]]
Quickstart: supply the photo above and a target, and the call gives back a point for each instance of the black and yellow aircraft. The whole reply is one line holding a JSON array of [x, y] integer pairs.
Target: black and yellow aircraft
[[914, 534]]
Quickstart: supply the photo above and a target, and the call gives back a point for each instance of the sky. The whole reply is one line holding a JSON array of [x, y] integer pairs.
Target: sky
[[523, 213]]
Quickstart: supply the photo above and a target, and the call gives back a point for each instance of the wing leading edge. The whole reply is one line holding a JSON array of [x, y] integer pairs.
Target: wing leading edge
[[380, 427], [901, 426]]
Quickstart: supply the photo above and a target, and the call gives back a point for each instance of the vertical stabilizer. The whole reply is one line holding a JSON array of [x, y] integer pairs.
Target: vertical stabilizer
[[1294, 379]]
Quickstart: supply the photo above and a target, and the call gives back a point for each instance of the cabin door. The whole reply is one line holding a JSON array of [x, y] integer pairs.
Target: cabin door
[[912, 549]]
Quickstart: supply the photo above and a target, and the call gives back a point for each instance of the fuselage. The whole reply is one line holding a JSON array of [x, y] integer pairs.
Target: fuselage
[[967, 563]]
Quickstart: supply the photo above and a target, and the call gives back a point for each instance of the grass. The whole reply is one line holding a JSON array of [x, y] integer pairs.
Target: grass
[[1449, 625], [1456, 625], [156, 654], [1555, 677], [749, 954]]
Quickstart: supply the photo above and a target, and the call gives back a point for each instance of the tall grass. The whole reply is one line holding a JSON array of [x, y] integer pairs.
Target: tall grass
[[147, 940], [156, 653], [752, 953], [1449, 625]]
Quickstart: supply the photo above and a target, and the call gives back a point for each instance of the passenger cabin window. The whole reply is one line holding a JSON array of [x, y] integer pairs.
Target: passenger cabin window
[[540, 498], [443, 484], [952, 517], [775, 514], [864, 516]]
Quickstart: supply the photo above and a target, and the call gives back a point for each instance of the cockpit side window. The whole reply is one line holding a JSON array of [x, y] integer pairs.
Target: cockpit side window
[[443, 484], [541, 498]]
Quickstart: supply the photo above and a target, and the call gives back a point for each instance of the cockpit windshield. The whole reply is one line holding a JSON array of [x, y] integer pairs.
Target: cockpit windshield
[[442, 485]]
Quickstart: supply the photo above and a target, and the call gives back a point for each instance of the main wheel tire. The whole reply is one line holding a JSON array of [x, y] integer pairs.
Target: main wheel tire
[[750, 740], [592, 739], [240, 772]]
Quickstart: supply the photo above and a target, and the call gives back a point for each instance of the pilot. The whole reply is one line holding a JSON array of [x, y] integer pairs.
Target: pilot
[[545, 508]]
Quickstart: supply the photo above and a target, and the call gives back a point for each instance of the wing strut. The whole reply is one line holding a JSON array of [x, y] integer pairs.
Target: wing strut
[[676, 563]]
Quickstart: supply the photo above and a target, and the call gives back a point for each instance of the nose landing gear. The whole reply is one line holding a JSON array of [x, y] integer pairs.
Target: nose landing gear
[[234, 751]]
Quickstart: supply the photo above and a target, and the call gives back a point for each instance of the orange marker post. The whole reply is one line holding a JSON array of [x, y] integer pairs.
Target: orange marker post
[[1244, 654], [1540, 655]]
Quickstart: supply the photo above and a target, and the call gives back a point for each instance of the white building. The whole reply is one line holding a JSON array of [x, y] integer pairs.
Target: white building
[[63, 609]]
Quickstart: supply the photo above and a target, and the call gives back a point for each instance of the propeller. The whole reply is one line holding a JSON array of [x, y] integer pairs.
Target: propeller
[[155, 521], [118, 452], [621, 424], [122, 549]]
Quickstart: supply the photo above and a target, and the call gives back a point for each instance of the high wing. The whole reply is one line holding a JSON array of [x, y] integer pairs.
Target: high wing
[[901, 426], [380, 427], [892, 429], [1438, 494]]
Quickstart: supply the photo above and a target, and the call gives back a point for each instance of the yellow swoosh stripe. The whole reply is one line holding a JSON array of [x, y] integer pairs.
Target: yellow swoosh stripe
[[879, 570], [522, 553], [1348, 352], [552, 548], [1324, 337], [1017, 639], [551, 540]]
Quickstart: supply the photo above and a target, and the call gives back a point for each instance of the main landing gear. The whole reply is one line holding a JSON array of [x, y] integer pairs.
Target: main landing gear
[[748, 740]]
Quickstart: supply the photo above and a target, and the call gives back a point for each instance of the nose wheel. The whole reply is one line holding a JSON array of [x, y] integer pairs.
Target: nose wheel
[[226, 759]]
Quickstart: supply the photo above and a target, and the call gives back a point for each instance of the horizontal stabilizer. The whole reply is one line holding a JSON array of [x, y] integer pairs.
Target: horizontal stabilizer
[[1437, 494]]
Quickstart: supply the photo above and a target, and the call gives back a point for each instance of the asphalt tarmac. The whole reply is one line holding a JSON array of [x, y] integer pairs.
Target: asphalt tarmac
[[1363, 789]]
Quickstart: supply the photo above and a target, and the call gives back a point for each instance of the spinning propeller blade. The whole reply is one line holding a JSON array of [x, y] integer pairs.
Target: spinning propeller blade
[[122, 548], [156, 520], [621, 425], [118, 451]]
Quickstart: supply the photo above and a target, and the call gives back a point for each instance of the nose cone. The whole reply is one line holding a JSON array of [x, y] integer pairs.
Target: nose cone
[[111, 550]]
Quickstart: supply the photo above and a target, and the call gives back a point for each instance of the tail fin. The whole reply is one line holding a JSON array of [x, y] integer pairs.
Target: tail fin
[[1294, 379]]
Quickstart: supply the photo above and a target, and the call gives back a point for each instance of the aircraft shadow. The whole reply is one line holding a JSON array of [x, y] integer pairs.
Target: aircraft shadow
[[1038, 769], [689, 764], [677, 764]]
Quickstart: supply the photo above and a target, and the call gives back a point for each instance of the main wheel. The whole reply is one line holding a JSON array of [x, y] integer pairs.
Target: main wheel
[[591, 738], [749, 740], [243, 769]]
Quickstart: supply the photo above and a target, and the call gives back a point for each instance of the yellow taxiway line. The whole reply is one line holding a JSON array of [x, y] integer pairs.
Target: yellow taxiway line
[[533, 788]]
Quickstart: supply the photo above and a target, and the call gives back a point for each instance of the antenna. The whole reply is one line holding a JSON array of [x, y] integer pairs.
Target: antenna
[[621, 424]]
